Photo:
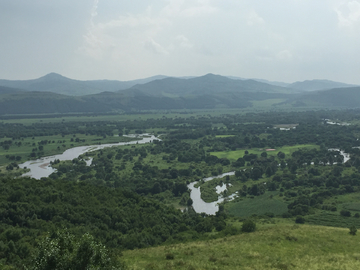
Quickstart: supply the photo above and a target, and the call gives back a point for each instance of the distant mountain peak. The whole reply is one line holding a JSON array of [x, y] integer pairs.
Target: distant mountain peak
[[53, 76]]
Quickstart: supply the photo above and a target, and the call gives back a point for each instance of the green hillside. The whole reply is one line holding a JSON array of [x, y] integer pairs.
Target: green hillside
[[59, 84], [348, 97], [278, 246], [316, 85], [45, 102], [206, 92], [208, 84]]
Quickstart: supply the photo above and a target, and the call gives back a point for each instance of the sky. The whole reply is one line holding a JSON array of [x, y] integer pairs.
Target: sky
[[278, 40]]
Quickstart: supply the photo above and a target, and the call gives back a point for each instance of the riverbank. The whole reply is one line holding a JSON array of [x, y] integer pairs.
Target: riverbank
[[40, 168]]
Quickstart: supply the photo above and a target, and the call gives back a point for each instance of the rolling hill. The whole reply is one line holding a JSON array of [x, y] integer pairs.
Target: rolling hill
[[209, 84], [59, 84], [316, 85], [348, 97], [205, 92]]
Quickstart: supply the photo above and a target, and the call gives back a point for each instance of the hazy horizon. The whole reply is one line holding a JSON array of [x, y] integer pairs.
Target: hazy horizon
[[284, 41]]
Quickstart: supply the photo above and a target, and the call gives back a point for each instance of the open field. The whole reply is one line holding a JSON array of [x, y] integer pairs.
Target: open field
[[270, 103], [327, 218], [279, 246], [28, 120], [258, 106], [258, 205], [288, 150]]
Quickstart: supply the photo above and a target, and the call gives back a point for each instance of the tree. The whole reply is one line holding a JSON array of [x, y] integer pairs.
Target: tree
[[281, 155], [345, 213], [300, 220], [62, 251], [353, 230], [248, 226], [269, 172]]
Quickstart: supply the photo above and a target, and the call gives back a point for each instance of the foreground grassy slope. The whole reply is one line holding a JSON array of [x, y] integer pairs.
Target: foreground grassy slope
[[279, 246]]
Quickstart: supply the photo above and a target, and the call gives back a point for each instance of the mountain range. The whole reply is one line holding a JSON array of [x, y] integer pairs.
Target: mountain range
[[54, 93]]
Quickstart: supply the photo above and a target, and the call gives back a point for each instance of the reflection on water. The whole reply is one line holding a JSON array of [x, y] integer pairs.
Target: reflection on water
[[203, 207]]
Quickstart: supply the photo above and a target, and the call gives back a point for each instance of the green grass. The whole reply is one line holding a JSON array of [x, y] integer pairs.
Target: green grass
[[288, 150], [120, 117], [334, 219], [224, 136], [258, 106], [266, 103], [278, 246], [258, 205]]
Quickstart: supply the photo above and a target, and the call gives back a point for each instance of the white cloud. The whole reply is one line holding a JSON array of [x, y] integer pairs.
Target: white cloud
[[94, 8], [348, 13], [254, 19], [184, 42], [131, 39], [188, 8], [155, 47], [284, 55]]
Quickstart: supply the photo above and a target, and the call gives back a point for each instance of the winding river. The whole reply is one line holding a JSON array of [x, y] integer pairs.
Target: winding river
[[41, 167], [203, 207]]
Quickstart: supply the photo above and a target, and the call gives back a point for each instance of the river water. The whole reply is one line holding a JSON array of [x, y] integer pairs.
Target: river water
[[203, 207], [41, 167]]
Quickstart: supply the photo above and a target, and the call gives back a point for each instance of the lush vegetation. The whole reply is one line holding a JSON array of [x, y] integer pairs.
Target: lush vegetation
[[130, 197]]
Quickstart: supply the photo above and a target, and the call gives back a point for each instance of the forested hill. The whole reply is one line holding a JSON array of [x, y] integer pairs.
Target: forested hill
[[206, 92], [338, 97], [59, 84], [316, 85], [209, 84], [8, 90]]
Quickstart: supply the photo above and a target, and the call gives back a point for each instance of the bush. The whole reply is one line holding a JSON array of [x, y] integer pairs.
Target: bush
[[63, 251], [345, 213], [248, 226], [353, 230], [169, 256], [300, 220]]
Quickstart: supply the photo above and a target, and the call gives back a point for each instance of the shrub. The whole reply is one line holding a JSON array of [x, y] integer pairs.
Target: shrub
[[300, 220], [353, 230], [169, 256], [345, 213], [248, 226], [357, 215]]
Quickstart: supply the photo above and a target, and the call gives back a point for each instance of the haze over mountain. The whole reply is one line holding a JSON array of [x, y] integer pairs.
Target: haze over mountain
[[315, 85], [57, 83], [209, 84], [348, 97], [164, 93]]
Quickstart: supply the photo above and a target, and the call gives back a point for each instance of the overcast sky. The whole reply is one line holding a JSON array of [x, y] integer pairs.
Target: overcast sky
[[282, 40]]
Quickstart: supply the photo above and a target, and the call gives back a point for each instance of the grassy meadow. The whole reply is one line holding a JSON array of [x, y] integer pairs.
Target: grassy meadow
[[287, 150], [272, 246], [268, 202]]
